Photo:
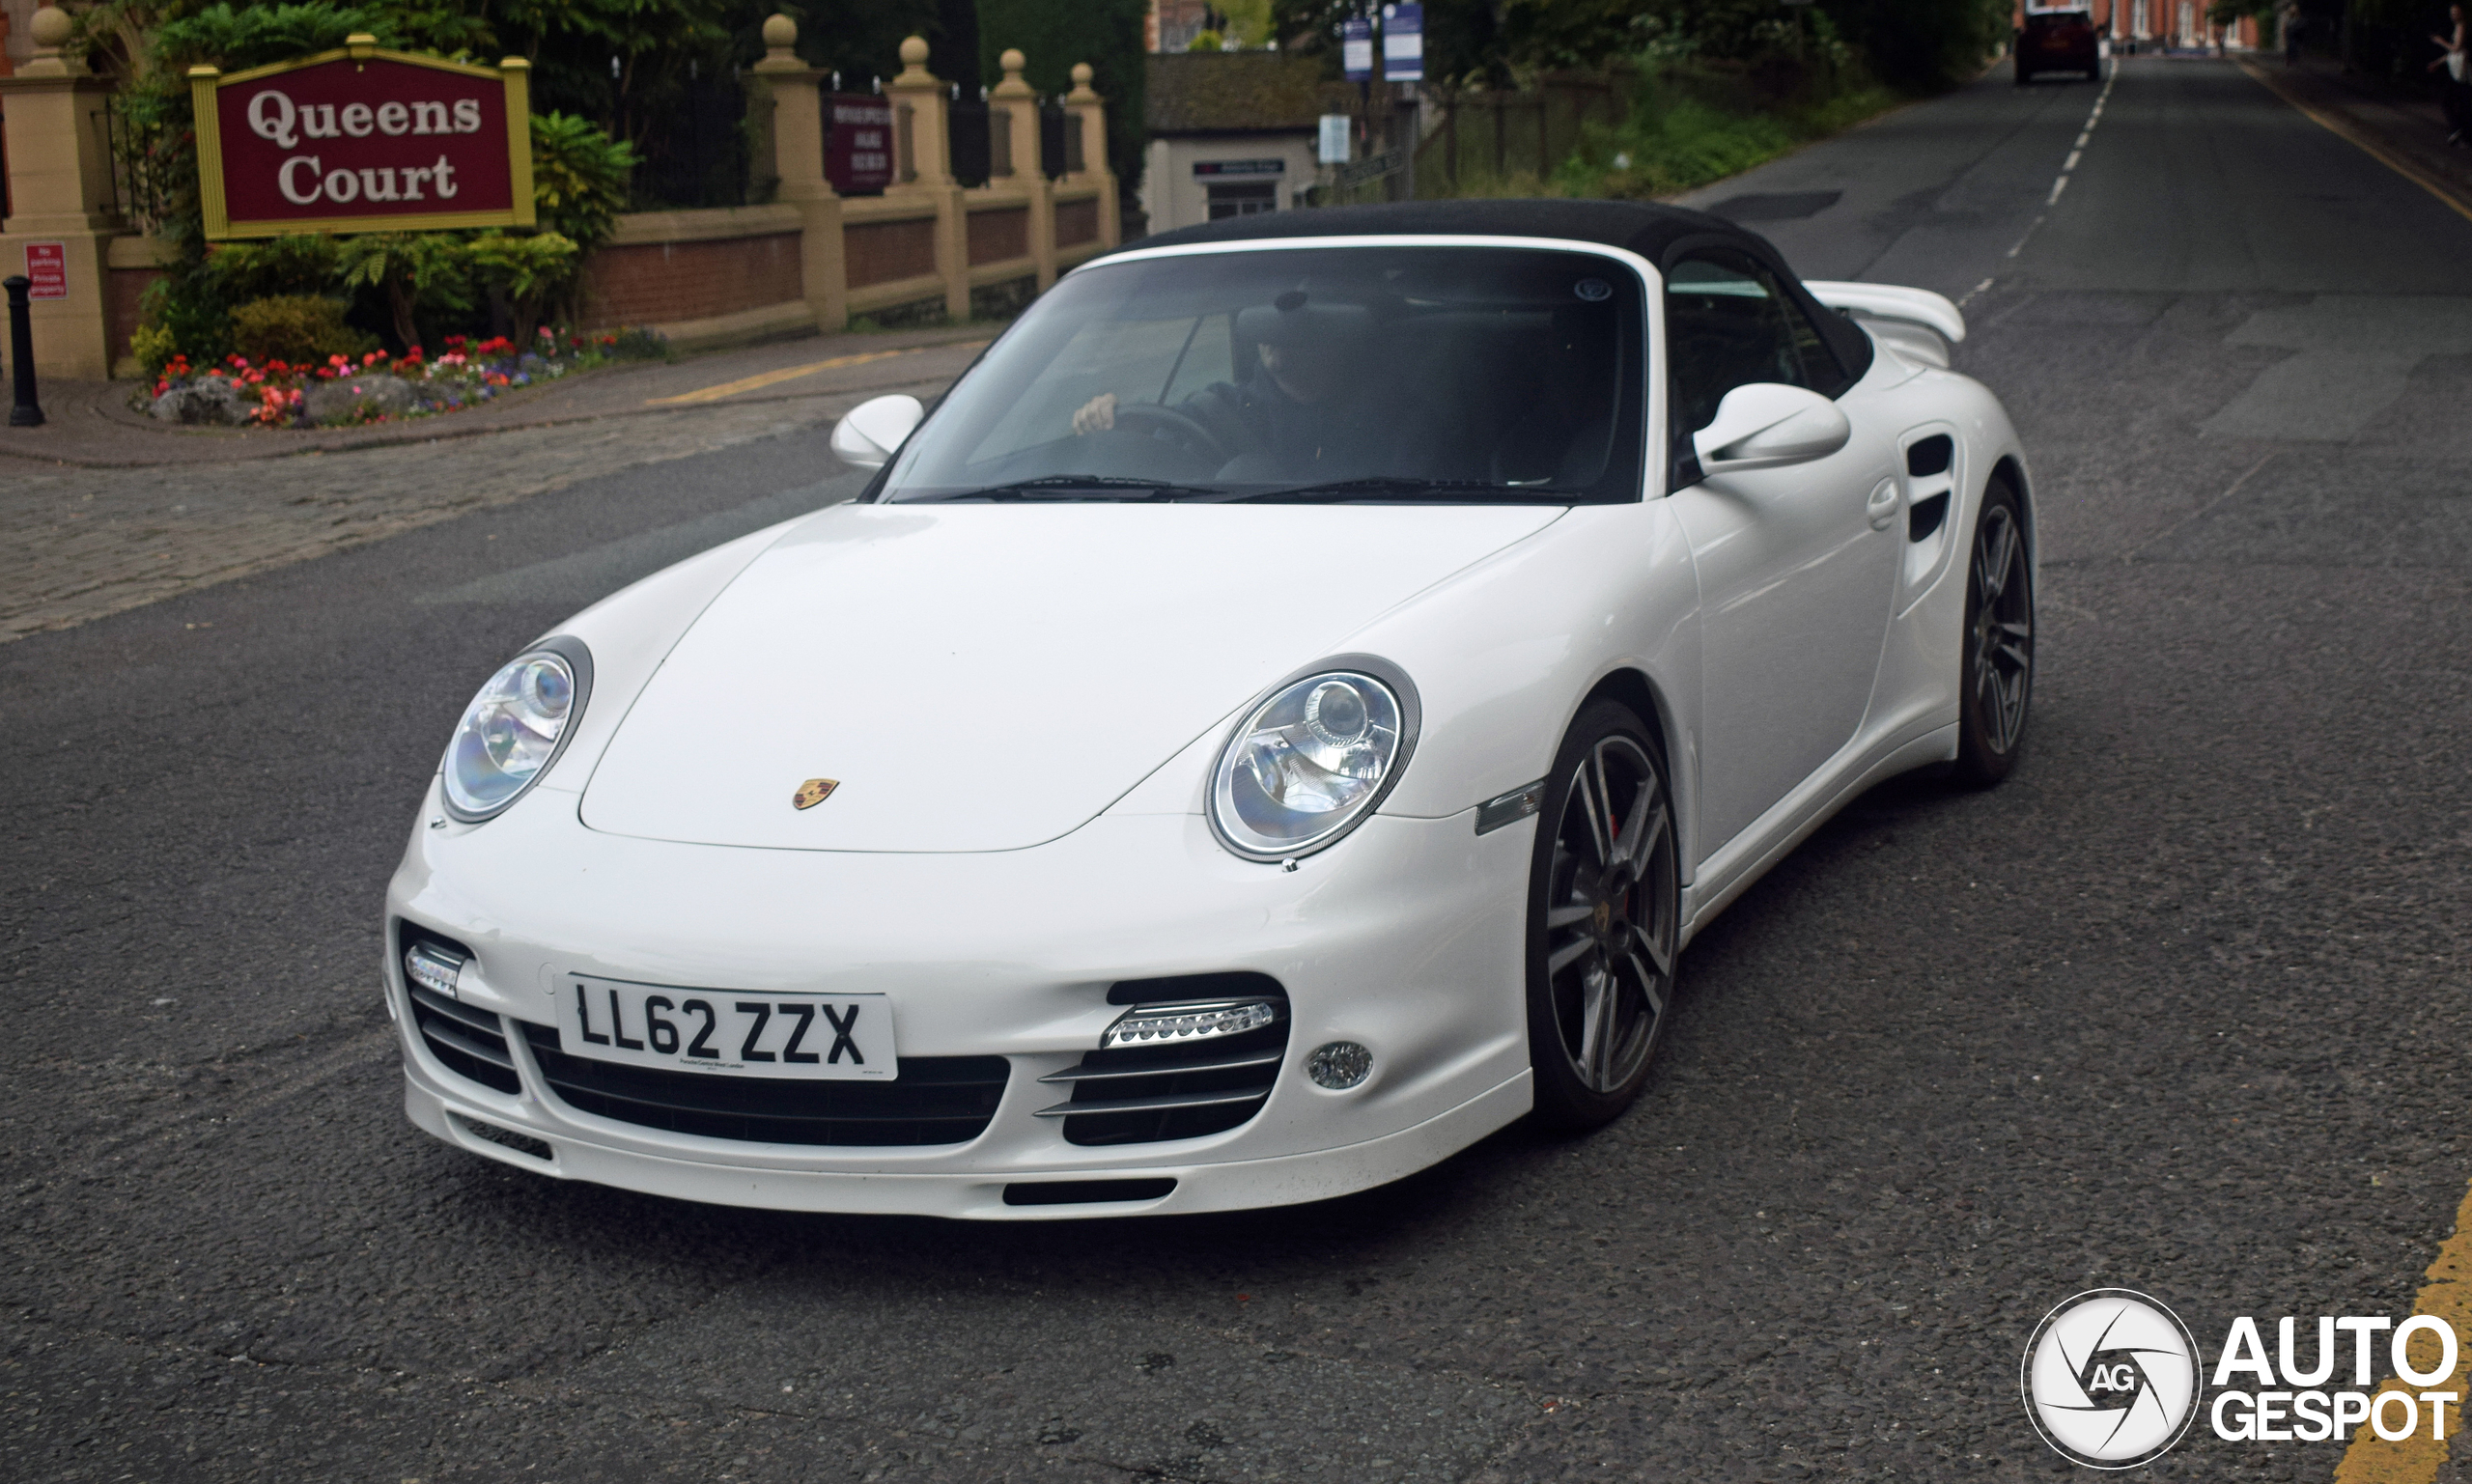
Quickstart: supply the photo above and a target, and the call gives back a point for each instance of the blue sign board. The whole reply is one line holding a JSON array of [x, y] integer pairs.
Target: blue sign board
[[1355, 49], [1403, 41]]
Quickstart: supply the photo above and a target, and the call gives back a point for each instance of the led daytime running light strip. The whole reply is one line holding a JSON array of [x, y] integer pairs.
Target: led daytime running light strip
[[1166, 1024]]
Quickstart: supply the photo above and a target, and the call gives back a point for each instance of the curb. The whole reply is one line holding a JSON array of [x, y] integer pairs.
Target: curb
[[2339, 122]]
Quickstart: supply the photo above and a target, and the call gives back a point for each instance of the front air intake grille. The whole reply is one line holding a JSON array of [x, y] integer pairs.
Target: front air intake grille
[[1143, 1094], [935, 1100], [470, 1043]]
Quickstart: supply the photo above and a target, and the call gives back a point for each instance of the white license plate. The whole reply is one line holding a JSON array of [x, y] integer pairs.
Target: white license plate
[[728, 1031]]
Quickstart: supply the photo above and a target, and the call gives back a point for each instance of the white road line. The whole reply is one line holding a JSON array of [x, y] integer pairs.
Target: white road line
[[2074, 155], [1971, 293]]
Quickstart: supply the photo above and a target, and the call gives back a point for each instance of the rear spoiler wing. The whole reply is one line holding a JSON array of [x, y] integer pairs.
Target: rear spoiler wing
[[1919, 324]]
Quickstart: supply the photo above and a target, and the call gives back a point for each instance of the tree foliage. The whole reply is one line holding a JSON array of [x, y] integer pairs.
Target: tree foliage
[[1911, 43], [1106, 34]]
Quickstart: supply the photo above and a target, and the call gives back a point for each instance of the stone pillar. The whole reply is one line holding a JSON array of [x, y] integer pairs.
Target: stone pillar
[[59, 183], [931, 158], [928, 132], [1015, 98], [795, 127], [1089, 111]]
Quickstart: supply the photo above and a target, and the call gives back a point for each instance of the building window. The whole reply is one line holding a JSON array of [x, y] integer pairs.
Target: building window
[[1244, 199], [2140, 25]]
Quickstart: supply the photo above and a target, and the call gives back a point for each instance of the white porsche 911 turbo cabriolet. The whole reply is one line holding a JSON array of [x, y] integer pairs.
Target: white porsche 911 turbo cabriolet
[[1277, 719]]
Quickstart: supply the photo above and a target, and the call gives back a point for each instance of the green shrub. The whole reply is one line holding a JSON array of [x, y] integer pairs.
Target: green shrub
[[523, 272], [299, 328], [580, 177], [153, 348]]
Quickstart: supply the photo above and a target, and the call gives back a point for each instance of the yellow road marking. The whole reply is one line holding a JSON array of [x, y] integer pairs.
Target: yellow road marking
[[767, 379], [2342, 129], [2448, 1296]]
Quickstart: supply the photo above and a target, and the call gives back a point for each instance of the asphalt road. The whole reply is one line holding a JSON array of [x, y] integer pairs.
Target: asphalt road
[[2180, 1008]]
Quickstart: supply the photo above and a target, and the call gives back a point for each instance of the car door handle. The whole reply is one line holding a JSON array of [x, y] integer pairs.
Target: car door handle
[[1881, 507]]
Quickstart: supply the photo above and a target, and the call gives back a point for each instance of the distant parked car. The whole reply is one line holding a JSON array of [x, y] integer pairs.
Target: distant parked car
[[2059, 40]]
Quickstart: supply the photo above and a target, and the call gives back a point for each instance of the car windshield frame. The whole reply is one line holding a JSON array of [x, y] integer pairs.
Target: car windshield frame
[[1621, 341]]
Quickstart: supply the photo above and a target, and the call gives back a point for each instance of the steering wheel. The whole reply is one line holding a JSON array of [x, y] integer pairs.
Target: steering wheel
[[1186, 432]]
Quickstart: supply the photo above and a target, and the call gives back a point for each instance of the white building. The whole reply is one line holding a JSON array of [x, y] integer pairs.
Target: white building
[[1231, 133]]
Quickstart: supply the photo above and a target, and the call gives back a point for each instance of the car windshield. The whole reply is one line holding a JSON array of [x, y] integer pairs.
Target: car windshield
[[1390, 373]]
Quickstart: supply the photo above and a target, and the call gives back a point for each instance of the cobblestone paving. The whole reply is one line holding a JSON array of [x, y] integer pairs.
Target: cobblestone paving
[[86, 543]]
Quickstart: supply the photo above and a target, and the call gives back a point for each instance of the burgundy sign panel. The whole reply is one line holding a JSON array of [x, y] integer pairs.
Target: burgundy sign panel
[[363, 138], [857, 153]]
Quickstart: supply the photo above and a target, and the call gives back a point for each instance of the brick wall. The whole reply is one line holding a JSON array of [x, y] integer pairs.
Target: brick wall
[[662, 283], [1076, 222], [995, 235], [125, 288], [881, 251]]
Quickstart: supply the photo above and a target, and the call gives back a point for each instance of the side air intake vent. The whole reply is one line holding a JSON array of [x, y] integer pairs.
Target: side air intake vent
[[1193, 1055], [469, 1042]]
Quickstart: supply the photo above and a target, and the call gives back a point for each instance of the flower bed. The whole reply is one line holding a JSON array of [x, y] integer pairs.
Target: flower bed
[[376, 387]]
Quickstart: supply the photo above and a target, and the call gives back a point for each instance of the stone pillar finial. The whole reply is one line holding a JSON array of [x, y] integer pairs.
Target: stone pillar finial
[[1012, 61], [51, 30], [914, 60], [780, 36]]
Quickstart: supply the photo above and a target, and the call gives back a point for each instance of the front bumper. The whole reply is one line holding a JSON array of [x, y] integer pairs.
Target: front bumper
[[1407, 938]]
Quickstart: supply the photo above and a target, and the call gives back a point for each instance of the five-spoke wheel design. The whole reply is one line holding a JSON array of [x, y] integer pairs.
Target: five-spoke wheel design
[[1608, 922], [1999, 677]]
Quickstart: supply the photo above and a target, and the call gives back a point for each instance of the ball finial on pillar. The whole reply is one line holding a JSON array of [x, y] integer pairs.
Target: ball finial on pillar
[[780, 32], [1080, 75], [51, 28]]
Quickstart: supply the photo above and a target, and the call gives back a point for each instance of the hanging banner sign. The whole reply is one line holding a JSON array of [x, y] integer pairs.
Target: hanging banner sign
[[1403, 42], [363, 140], [858, 152], [1355, 49]]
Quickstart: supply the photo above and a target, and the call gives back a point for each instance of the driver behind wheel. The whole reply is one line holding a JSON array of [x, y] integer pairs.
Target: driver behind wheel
[[1303, 410]]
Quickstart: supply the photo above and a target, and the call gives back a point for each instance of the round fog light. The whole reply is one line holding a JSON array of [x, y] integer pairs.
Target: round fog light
[[1339, 1065]]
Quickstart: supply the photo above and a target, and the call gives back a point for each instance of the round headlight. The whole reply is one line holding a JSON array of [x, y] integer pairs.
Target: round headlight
[[1309, 762], [512, 729]]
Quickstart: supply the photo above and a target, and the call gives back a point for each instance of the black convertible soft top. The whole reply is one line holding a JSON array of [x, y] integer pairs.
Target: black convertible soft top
[[1657, 233]]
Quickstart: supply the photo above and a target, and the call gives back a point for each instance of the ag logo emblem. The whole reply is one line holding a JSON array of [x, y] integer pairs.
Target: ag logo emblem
[[2111, 1378], [814, 792]]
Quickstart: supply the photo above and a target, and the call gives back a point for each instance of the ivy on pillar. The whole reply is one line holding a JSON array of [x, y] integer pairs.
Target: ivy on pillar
[[793, 127], [59, 191]]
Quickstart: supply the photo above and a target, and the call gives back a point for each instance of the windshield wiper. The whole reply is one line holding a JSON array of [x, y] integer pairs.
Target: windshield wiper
[[1032, 489], [1394, 487]]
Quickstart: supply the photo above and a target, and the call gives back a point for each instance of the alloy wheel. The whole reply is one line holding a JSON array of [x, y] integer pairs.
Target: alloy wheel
[[2000, 661], [1611, 911]]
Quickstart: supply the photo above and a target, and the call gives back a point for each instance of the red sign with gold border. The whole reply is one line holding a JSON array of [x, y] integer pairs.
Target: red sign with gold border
[[363, 140]]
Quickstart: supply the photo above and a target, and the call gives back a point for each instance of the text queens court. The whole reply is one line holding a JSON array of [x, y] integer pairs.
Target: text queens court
[[363, 139]]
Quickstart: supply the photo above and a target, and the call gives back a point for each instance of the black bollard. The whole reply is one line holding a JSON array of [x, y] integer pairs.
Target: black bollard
[[27, 413]]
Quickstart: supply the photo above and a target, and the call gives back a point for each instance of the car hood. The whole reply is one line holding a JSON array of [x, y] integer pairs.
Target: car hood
[[989, 677]]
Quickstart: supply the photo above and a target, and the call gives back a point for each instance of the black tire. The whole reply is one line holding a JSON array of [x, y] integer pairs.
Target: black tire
[[2024, 76], [1996, 675], [1609, 911]]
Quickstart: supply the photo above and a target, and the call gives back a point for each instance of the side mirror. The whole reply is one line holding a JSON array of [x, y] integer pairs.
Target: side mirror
[[1766, 425], [867, 436]]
